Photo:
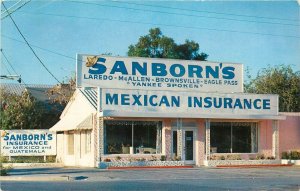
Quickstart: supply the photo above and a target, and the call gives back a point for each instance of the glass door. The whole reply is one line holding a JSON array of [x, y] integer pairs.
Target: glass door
[[189, 145]]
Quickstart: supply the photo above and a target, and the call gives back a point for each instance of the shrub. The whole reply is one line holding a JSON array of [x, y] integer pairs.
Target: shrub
[[140, 159], [118, 158], [107, 160], [271, 158], [3, 159], [285, 155], [222, 157], [50, 159], [233, 157], [295, 155], [260, 157], [163, 158], [153, 158]]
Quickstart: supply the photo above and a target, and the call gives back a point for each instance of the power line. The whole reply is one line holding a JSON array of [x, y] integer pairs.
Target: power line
[[30, 46], [189, 15], [5, 57], [14, 8], [166, 25], [6, 68], [45, 49], [213, 12], [8, 62]]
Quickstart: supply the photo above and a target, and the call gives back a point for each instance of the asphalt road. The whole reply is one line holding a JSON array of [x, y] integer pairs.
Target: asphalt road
[[287, 178]]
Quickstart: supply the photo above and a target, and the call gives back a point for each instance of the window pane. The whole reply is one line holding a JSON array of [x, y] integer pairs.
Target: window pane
[[220, 137], [88, 140], [118, 137], [145, 137], [241, 137], [175, 143], [71, 144]]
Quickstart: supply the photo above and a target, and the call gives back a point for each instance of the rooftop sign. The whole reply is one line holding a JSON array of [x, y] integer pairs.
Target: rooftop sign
[[158, 74]]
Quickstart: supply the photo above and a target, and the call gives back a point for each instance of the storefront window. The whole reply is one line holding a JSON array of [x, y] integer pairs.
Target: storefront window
[[235, 137], [138, 137]]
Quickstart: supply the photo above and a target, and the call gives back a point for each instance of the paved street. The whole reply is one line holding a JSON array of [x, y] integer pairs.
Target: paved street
[[281, 178]]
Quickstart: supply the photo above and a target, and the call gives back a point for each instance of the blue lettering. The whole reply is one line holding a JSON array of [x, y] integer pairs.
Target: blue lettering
[[238, 104], [50, 137], [141, 69], [208, 102], [266, 104], [175, 101], [228, 72], [159, 69], [173, 70], [216, 105], [119, 66], [195, 70], [247, 104], [213, 72], [227, 103], [151, 100], [137, 100], [112, 100], [98, 68], [255, 104], [125, 99], [164, 100]]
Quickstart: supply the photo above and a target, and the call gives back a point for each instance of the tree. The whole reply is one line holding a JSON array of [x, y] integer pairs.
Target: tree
[[62, 93], [20, 111], [281, 80], [156, 45]]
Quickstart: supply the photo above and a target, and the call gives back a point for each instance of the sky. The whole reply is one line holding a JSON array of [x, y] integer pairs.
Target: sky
[[258, 34]]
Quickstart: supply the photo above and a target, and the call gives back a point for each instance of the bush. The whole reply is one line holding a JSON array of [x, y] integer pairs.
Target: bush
[[233, 157], [285, 155], [107, 160], [295, 155], [163, 158], [3, 159], [260, 157]]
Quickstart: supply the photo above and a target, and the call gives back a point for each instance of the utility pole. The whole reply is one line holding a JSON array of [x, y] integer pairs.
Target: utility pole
[[11, 77]]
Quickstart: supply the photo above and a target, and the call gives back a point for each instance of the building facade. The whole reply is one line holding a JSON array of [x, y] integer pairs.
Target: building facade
[[133, 109]]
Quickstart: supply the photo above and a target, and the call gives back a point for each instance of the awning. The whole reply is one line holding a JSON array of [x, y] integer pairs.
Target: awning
[[114, 113], [86, 124], [74, 122]]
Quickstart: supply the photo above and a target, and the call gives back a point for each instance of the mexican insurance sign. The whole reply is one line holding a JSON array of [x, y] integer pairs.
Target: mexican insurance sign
[[28, 143], [187, 104], [158, 74]]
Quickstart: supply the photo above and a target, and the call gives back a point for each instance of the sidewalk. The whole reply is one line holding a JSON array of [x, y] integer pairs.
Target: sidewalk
[[47, 174]]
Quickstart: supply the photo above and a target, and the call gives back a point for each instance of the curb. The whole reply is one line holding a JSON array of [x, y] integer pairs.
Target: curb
[[34, 178], [147, 167], [254, 166]]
